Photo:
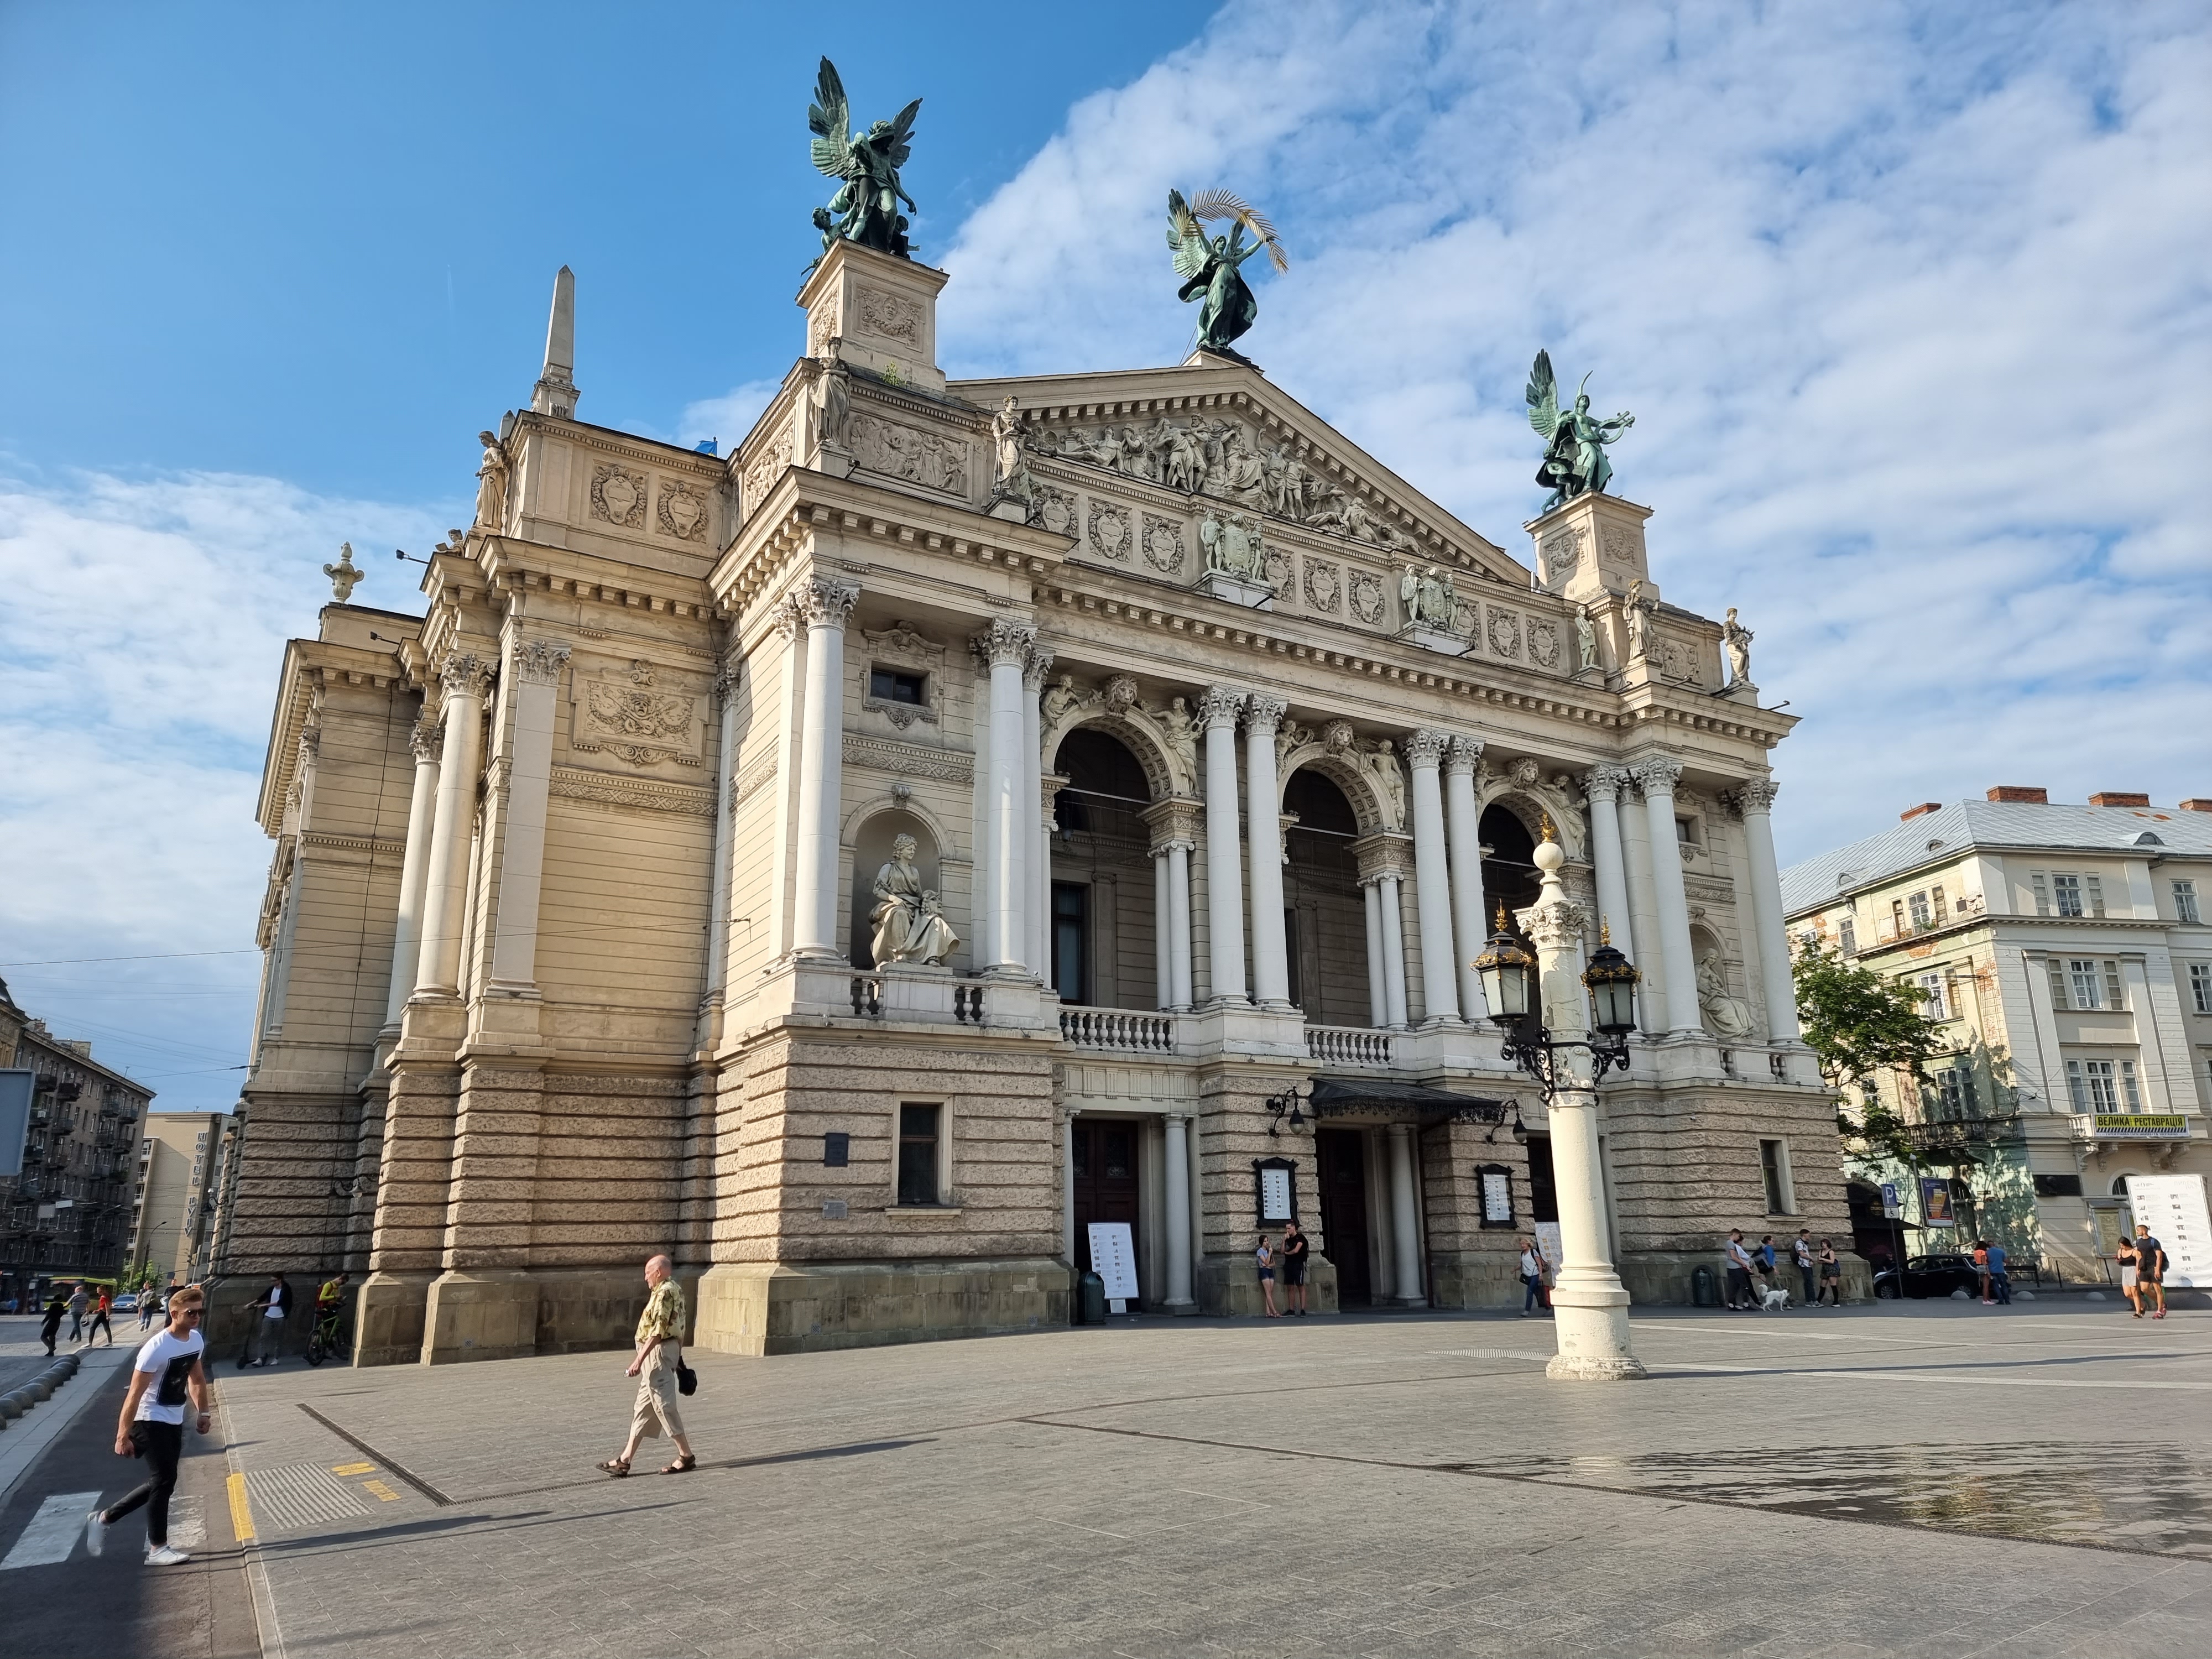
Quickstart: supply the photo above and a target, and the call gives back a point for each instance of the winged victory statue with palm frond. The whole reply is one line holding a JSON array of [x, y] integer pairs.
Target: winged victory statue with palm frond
[[1575, 462], [1211, 266], [866, 209]]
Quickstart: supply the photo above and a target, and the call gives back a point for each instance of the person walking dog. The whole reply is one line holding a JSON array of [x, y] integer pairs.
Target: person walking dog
[[170, 1366], [659, 1362]]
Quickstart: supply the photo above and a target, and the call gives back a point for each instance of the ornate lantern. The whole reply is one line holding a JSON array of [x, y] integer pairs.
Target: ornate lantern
[[1508, 972], [1612, 979]]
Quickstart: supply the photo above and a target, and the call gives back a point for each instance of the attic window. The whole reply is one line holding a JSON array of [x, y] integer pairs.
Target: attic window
[[1933, 845], [2147, 839]]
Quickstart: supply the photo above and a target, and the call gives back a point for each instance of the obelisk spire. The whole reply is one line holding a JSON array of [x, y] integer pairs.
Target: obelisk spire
[[556, 391]]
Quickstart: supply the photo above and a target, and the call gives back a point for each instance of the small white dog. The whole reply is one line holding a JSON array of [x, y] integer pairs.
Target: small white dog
[[1774, 1301]]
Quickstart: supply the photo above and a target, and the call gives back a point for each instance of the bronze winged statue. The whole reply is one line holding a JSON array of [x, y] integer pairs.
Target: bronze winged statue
[[1575, 461], [1210, 268], [866, 209]]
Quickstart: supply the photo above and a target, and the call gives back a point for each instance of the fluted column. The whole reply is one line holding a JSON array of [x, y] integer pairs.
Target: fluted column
[[1175, 1174], [1378, 998], [1012, 806], [536, 666], [1432, 883], [1657, 774], [446, 902], [1601, 785], [1755, 800], [1225, 876], [1263, 828], [1404, 1220], [1394, 952], [413, 869], [825, 605], [1036, 851], [725, 778], [1462, 830]]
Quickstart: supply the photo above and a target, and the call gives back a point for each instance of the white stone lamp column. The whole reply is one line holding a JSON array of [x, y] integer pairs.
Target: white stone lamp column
[[465, 678], [537, 668], [1404, 1220], [1263, 826], [1011, 806], [1225, 876], [1175, 1173], [1589, 1303], [414, 872], [1463, 830], [1755, 802], [1601, 785], [826, 605], [1424, 750], [1657, 774]]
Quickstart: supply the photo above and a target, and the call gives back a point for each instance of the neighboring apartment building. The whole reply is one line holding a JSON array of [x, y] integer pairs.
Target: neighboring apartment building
[[70, 1212], [179, 1159], [2065, 949]]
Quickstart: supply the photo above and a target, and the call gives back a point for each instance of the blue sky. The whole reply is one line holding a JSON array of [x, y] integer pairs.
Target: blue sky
[[1910, 301]]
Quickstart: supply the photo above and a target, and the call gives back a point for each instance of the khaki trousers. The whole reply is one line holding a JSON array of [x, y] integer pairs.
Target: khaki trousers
[[655, 1413]]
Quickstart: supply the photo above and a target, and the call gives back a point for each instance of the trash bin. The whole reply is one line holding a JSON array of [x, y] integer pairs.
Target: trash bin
[[1091, 1300], [1704, 1289]]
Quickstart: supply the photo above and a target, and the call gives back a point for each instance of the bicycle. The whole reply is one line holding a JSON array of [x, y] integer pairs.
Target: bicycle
[[323, 1340]]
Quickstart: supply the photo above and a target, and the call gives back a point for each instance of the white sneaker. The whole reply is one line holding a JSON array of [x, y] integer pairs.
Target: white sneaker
[[95, 1533], [164, 1556]]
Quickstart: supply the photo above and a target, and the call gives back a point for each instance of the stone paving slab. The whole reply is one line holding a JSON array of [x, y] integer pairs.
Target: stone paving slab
[[2026, 1481]]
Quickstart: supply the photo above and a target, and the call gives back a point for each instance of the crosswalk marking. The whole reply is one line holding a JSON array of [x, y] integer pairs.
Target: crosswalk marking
[[53, 1531]]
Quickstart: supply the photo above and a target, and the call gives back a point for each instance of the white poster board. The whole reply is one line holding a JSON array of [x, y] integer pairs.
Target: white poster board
[[1547, 1239], [2173, 1208], [1275, 1204], [1114, 1259]]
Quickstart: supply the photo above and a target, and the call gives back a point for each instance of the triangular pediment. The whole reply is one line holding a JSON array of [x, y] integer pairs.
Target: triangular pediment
[[1217, 431]]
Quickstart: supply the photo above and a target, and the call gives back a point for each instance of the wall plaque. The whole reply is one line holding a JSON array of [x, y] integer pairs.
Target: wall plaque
[[1275, 1189]]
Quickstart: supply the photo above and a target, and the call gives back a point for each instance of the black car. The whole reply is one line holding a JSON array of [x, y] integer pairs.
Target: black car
[[1931, 1275]]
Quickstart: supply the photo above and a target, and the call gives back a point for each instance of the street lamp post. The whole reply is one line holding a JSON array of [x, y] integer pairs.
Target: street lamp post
[[1539, 1005]]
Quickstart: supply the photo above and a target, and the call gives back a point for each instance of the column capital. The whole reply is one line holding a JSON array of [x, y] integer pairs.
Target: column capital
[[1604, 782], [428, 739], [465, 674], [1466, 755], [1382, 856], [1425, 748], [1656, 775], [1263, 713], [1004, 642], [727, 676], [1174, 823], [825, 603], [787, 617], [1034, 671], [1753, 795], [538, 662], [1220, 705]]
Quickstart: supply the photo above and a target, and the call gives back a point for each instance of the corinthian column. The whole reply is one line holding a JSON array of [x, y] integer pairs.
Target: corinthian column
[[1657, 774], [414, 869], [1431, 885], [1755, 802], [1173, 834], [1037, 851], [1601, 784], [1012, 806], [537, 665], [825, 605], [725, 779], [1462, 830], [1224, 877], [465, 677], [1263, 828], [1589, 1304]]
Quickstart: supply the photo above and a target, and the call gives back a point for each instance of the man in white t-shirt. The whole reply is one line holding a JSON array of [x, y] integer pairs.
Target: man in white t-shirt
[[269, 1333], [1739, 1273], [152, 1424]]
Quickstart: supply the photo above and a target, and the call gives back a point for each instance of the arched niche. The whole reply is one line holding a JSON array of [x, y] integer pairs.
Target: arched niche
[[1327, 931], [872, 849], [1348, 770], [1164, 741]]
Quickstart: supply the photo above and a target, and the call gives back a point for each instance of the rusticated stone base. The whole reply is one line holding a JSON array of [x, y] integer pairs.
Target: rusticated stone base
[[1475, 1279], [1230, 1285], [1595, 1368], [480, 1316], [806, 1307], [387, 1318]]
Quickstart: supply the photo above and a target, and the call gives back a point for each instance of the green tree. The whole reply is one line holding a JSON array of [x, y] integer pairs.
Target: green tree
[[1859, 1025]]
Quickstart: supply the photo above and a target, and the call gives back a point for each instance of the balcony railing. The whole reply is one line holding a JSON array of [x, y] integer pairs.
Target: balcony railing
[[1118, 1028], [1348, 1045], [868, 1002]]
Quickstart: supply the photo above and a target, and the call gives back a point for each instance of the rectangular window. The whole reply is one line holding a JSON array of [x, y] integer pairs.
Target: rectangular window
[[2096, 1084], [2067, 890], [2129, 1093], [1774, 1167], [2059, 998], [2085, 979], [1918, 905], [1685, 831], [2184, 902], [917, 1154], [1897, 918], [2092, 889], [889, 686], [1934, 1002], [2114, 997], [1935, 902], [1954, 1092], [1070, 940], [2077, 1087], [2200, 986], [1847, 936], [2041, 884]]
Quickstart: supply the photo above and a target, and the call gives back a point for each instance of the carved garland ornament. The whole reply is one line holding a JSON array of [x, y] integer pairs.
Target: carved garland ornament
[[1544, 644], [1324, 585], [1367, 597], [683, 511], [888, 316], [1110, 530], [618, 495], [1505, 633], [639, 722], [1163, 544], [1053, 510]]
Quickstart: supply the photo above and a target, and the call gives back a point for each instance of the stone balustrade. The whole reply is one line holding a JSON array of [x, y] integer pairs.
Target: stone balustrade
[[1118, 1028], [1348, 1045]]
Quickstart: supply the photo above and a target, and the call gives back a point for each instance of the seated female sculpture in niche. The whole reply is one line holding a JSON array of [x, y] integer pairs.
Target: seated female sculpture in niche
[[910, 922], [1725, 1016]]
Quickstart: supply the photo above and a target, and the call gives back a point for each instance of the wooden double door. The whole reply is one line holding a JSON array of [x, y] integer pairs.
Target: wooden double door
[[1102, 1158], [1340, 1156]]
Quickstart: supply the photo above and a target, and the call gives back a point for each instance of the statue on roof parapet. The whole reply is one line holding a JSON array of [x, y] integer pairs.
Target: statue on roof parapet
[[1575, 462], [1212, 267], [866, 209]]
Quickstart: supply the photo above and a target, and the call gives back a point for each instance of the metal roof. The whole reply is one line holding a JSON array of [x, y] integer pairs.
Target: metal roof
[[1951, 830]]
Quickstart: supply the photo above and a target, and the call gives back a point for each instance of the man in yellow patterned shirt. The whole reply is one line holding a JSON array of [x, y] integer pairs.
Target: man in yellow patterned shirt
[[659, 1356]]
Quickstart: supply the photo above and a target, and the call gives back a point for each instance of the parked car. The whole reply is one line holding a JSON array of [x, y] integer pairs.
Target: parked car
[[127, 1303], [1930, 1275]]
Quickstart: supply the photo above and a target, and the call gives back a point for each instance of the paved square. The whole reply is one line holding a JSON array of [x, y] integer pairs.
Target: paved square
[[1916, 1480]]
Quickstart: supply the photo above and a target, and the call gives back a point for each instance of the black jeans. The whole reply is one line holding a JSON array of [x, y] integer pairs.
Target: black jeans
[[1811, 1295], [161, 1445]]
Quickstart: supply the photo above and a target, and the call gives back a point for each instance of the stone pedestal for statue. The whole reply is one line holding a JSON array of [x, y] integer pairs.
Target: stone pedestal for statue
[[876, 314], [1742, 691], [1253, 596], [1590, 547], [1012, 511], [1433, 639]]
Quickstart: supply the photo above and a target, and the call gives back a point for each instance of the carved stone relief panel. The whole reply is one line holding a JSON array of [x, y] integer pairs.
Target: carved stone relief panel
[[1544, 644], [683, 511], [1558, 553], [931, 459], [1324, 585], [1367, 598], [1676, 660], [1504, 632], [1054, 510], [633, 715], [822, 326], [1163, 544], [618, 495], [883, 315], [767, 468], [1111, 533]]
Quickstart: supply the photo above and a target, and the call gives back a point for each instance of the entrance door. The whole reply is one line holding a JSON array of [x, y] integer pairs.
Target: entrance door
[[1340, 1154], [1104, 1156]]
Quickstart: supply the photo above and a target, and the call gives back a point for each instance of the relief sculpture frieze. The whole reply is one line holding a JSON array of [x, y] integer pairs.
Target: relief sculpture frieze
[[931, 459], [637, 718]]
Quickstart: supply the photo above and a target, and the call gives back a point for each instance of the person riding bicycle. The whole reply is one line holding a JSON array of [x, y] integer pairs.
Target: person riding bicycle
[[330, 1297]]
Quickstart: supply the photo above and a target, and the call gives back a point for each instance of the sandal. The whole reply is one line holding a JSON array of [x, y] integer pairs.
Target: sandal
[[682, 1465], [615, 1467]]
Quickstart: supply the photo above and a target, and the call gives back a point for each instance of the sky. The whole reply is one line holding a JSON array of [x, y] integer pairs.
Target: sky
[[1911, 303]]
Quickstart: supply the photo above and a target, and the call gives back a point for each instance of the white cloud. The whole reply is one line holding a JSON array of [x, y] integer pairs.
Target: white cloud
[[726, 418], [1908, 302], [139, 649]]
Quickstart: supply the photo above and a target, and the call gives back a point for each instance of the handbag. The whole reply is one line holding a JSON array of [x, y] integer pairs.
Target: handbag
[[687, 1379]]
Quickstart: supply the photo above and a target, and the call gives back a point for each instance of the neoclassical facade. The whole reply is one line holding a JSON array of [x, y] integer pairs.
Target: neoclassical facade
[[1176, 754]]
